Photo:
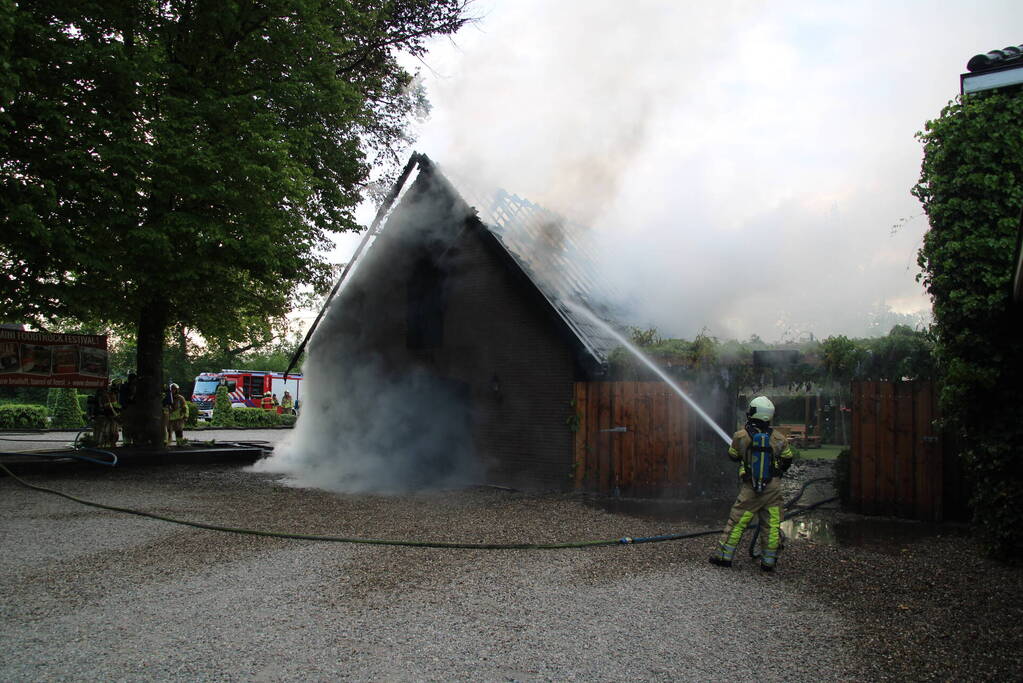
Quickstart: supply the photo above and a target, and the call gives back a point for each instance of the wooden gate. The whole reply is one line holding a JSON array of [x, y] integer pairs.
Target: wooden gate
[[898, 466], [633, 438]]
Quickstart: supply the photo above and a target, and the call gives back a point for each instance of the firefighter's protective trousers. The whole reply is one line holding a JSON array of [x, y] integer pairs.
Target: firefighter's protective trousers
[[768, 507]]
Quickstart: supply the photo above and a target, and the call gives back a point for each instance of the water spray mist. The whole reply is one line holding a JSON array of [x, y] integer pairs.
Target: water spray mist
[[589, 315]]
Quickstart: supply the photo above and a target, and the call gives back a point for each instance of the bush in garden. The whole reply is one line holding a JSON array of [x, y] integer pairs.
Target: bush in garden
[[255, 417], [21, 416], [67, 413], [971, 187], [223, 413], [193, 414]]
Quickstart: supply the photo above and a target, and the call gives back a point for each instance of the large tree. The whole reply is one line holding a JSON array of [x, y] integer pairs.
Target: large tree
[[181, 163], [971, 186]]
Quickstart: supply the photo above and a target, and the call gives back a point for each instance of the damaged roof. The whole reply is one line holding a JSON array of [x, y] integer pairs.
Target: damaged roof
[[556, 255]]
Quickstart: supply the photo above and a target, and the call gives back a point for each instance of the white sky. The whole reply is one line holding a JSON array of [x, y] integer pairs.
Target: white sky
[[742, 162]]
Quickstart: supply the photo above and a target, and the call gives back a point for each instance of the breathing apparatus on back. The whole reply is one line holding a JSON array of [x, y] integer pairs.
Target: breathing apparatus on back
[[762, 463]]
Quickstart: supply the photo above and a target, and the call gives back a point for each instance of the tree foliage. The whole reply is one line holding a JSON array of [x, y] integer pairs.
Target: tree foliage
[[902, 354], [183, 162], [971, 187]]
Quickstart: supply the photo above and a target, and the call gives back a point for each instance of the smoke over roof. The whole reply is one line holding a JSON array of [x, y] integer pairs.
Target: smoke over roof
[[745, 167]]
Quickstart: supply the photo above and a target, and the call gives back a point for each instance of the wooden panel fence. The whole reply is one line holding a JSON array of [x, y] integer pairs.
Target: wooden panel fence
[[633, 438], [898, 465]]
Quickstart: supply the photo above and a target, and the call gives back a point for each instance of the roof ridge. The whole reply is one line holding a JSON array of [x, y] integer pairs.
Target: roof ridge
[[995, 59]]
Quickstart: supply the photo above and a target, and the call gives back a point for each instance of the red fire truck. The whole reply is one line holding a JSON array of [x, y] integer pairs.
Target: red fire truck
[[246, 389]]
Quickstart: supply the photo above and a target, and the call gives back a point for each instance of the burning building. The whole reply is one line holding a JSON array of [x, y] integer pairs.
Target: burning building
[[446, 355], [454, 352]]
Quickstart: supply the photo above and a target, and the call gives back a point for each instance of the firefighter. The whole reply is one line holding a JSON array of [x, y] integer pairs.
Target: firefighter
[[287, 404], [129, 413], [176, 412], [114, 423], [763, 456], [267, 402], [105, 423]]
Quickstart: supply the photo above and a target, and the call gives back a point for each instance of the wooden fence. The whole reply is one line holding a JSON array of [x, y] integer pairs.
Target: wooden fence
[[633, 438], [899, 466]]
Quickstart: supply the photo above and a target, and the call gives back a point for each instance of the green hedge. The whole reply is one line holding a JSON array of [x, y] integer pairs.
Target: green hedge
[[66, 410], [287, 420], [971, 187], [20, 416], [193, 414], [255, 417], [223, 413]]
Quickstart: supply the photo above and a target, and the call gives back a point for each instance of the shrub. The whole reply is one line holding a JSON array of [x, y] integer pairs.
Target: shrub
[[193, 414], [255, 417], [287, 420], [66, 411], [21, 416], [223, 413], [51, 400], [971, 186]]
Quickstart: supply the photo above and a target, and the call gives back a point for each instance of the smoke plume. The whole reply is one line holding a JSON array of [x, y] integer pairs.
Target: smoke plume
[[743, 164]]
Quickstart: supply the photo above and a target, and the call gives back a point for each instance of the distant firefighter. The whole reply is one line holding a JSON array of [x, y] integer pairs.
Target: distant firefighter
[[176, 411]]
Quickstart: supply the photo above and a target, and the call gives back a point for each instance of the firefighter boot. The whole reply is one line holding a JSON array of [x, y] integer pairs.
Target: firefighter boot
[[723, 557]]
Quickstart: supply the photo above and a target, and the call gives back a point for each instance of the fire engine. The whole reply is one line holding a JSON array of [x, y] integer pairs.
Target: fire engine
[[246, 389]]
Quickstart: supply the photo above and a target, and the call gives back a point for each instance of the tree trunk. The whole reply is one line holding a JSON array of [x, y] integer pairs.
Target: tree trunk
[[148, 403]]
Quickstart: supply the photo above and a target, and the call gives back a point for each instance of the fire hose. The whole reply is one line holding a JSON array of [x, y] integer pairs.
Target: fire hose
[[625, 540]]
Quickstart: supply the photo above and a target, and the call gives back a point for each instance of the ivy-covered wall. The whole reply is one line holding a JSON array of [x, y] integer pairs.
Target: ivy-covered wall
[[971, 187]]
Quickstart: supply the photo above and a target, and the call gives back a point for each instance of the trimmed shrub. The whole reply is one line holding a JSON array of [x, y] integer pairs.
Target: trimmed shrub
[[21, 416], [51, 400], [287, 420], [223, 413], [193, 414], [66, 411], [255, 417]]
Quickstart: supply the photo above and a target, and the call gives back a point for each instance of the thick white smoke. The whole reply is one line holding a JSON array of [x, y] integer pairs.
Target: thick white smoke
[[371, 419], [365, 430], [743, 162]]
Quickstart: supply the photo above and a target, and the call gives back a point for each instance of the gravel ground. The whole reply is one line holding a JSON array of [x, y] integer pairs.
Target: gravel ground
[[94, 595]]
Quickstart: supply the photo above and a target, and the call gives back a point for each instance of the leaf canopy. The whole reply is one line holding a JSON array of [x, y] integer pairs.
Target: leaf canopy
[[192, 156]]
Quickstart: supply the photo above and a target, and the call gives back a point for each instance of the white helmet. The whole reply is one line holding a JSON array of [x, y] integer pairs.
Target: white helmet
[[761, 408]]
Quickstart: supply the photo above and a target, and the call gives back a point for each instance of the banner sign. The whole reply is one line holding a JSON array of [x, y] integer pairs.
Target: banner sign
[[41, 359]]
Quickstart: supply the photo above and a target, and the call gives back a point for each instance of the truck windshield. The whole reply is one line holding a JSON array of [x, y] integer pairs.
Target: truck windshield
[[205, 386]]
